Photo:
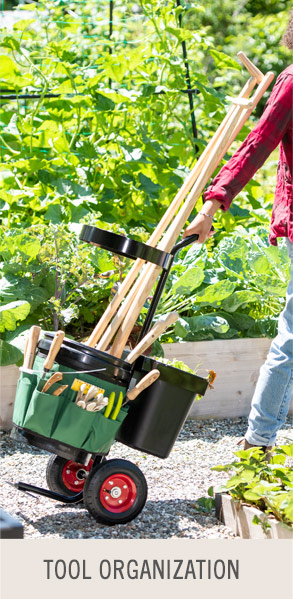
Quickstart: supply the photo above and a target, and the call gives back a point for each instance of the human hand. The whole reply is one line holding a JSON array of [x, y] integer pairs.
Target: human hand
[[202, 224]]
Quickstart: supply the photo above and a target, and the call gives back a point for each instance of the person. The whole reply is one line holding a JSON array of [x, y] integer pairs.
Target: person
[[271, 399]]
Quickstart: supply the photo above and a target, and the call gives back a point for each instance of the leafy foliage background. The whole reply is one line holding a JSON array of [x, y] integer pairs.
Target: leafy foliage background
[[112, 145]]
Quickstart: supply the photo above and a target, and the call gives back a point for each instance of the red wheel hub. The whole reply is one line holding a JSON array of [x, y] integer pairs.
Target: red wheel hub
[[74, 475], [118, 493]]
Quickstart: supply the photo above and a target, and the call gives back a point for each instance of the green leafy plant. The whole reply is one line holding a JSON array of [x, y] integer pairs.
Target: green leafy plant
[[206, 504], [176, 364], [107, 140], [51, 279], [267, 485], [236, 290]]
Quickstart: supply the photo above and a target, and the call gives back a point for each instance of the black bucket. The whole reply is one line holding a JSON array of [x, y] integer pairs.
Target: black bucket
[[157, 415], [79, 356]]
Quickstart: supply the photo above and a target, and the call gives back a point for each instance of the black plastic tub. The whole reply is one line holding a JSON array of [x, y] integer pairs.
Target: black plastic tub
[[157, 415], [79, 356]]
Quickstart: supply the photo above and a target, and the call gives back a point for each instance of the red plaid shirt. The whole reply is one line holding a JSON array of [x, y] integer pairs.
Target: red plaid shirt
[[274, 127]]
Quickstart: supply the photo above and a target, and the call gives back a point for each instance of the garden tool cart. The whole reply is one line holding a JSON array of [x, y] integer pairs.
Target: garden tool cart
[[75, 399]]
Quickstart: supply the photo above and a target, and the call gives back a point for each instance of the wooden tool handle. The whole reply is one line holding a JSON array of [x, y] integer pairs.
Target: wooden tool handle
[[252, 69], [145, 382], [99, 334], [160, 326], [25, 352], [53, 351], [227, 132], [55, 378], [31, 346], [60, 390]]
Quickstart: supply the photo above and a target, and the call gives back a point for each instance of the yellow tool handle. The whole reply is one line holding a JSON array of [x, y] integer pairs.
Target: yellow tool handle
[[117, 407], [110, 405]]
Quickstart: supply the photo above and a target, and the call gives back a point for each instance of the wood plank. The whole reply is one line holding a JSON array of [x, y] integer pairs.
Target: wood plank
[[9, 376], [236, 362]]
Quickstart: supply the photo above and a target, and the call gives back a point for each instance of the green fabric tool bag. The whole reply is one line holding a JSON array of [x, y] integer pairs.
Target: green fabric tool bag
[[58, 417]]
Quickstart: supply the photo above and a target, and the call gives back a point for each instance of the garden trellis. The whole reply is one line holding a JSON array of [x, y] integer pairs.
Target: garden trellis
[[77, 16]]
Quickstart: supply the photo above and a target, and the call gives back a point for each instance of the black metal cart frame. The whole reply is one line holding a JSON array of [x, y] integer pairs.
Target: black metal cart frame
[[142, 416]]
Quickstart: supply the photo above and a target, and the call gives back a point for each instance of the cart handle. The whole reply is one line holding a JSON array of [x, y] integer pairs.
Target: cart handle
[[161, 284], [183, 243]]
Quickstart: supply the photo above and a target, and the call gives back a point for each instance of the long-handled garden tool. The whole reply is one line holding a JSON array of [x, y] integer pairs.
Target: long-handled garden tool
[[130, 309], [226, 133], [161, 325]]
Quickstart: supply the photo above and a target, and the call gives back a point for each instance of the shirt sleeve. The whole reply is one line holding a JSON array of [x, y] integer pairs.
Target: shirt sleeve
[[257, 146]]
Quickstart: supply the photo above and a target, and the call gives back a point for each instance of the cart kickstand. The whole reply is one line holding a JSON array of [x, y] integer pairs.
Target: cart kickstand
[[47, 493]]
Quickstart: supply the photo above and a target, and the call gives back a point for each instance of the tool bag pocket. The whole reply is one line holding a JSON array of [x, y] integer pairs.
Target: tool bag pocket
[[25, 388], [90, 431], [42, 413], [59, 418]]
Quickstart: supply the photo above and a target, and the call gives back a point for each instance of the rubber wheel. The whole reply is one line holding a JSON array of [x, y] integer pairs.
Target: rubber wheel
[[65, 476], [115, 492]]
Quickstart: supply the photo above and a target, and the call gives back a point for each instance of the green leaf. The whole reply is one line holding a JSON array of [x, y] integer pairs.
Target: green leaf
[[222, 61], [231, 254], [287, 449], [259, 263], [191, 279], [77, 213], [11, 43], [51, 134], [222, 467], [132, 154], [216, 293], [102, 103], [233, 482], [12, 288], [9, 354], [117, 68], [147, 185], [23, 24], [181, 328], [12, 313], [103, 260], [240, 298], [195, 254], [203, 324], [247, 475], [8, 69], [287, 507], [54, 213], [157, 350], [14, 241], [211, 491], [205, 504], [271, 285]]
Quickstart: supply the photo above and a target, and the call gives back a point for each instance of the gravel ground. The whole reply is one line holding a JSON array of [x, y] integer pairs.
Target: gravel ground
[[174, 485]]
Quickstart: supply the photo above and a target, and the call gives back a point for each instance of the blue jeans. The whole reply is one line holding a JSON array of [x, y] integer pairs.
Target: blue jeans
[[271, 399]]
